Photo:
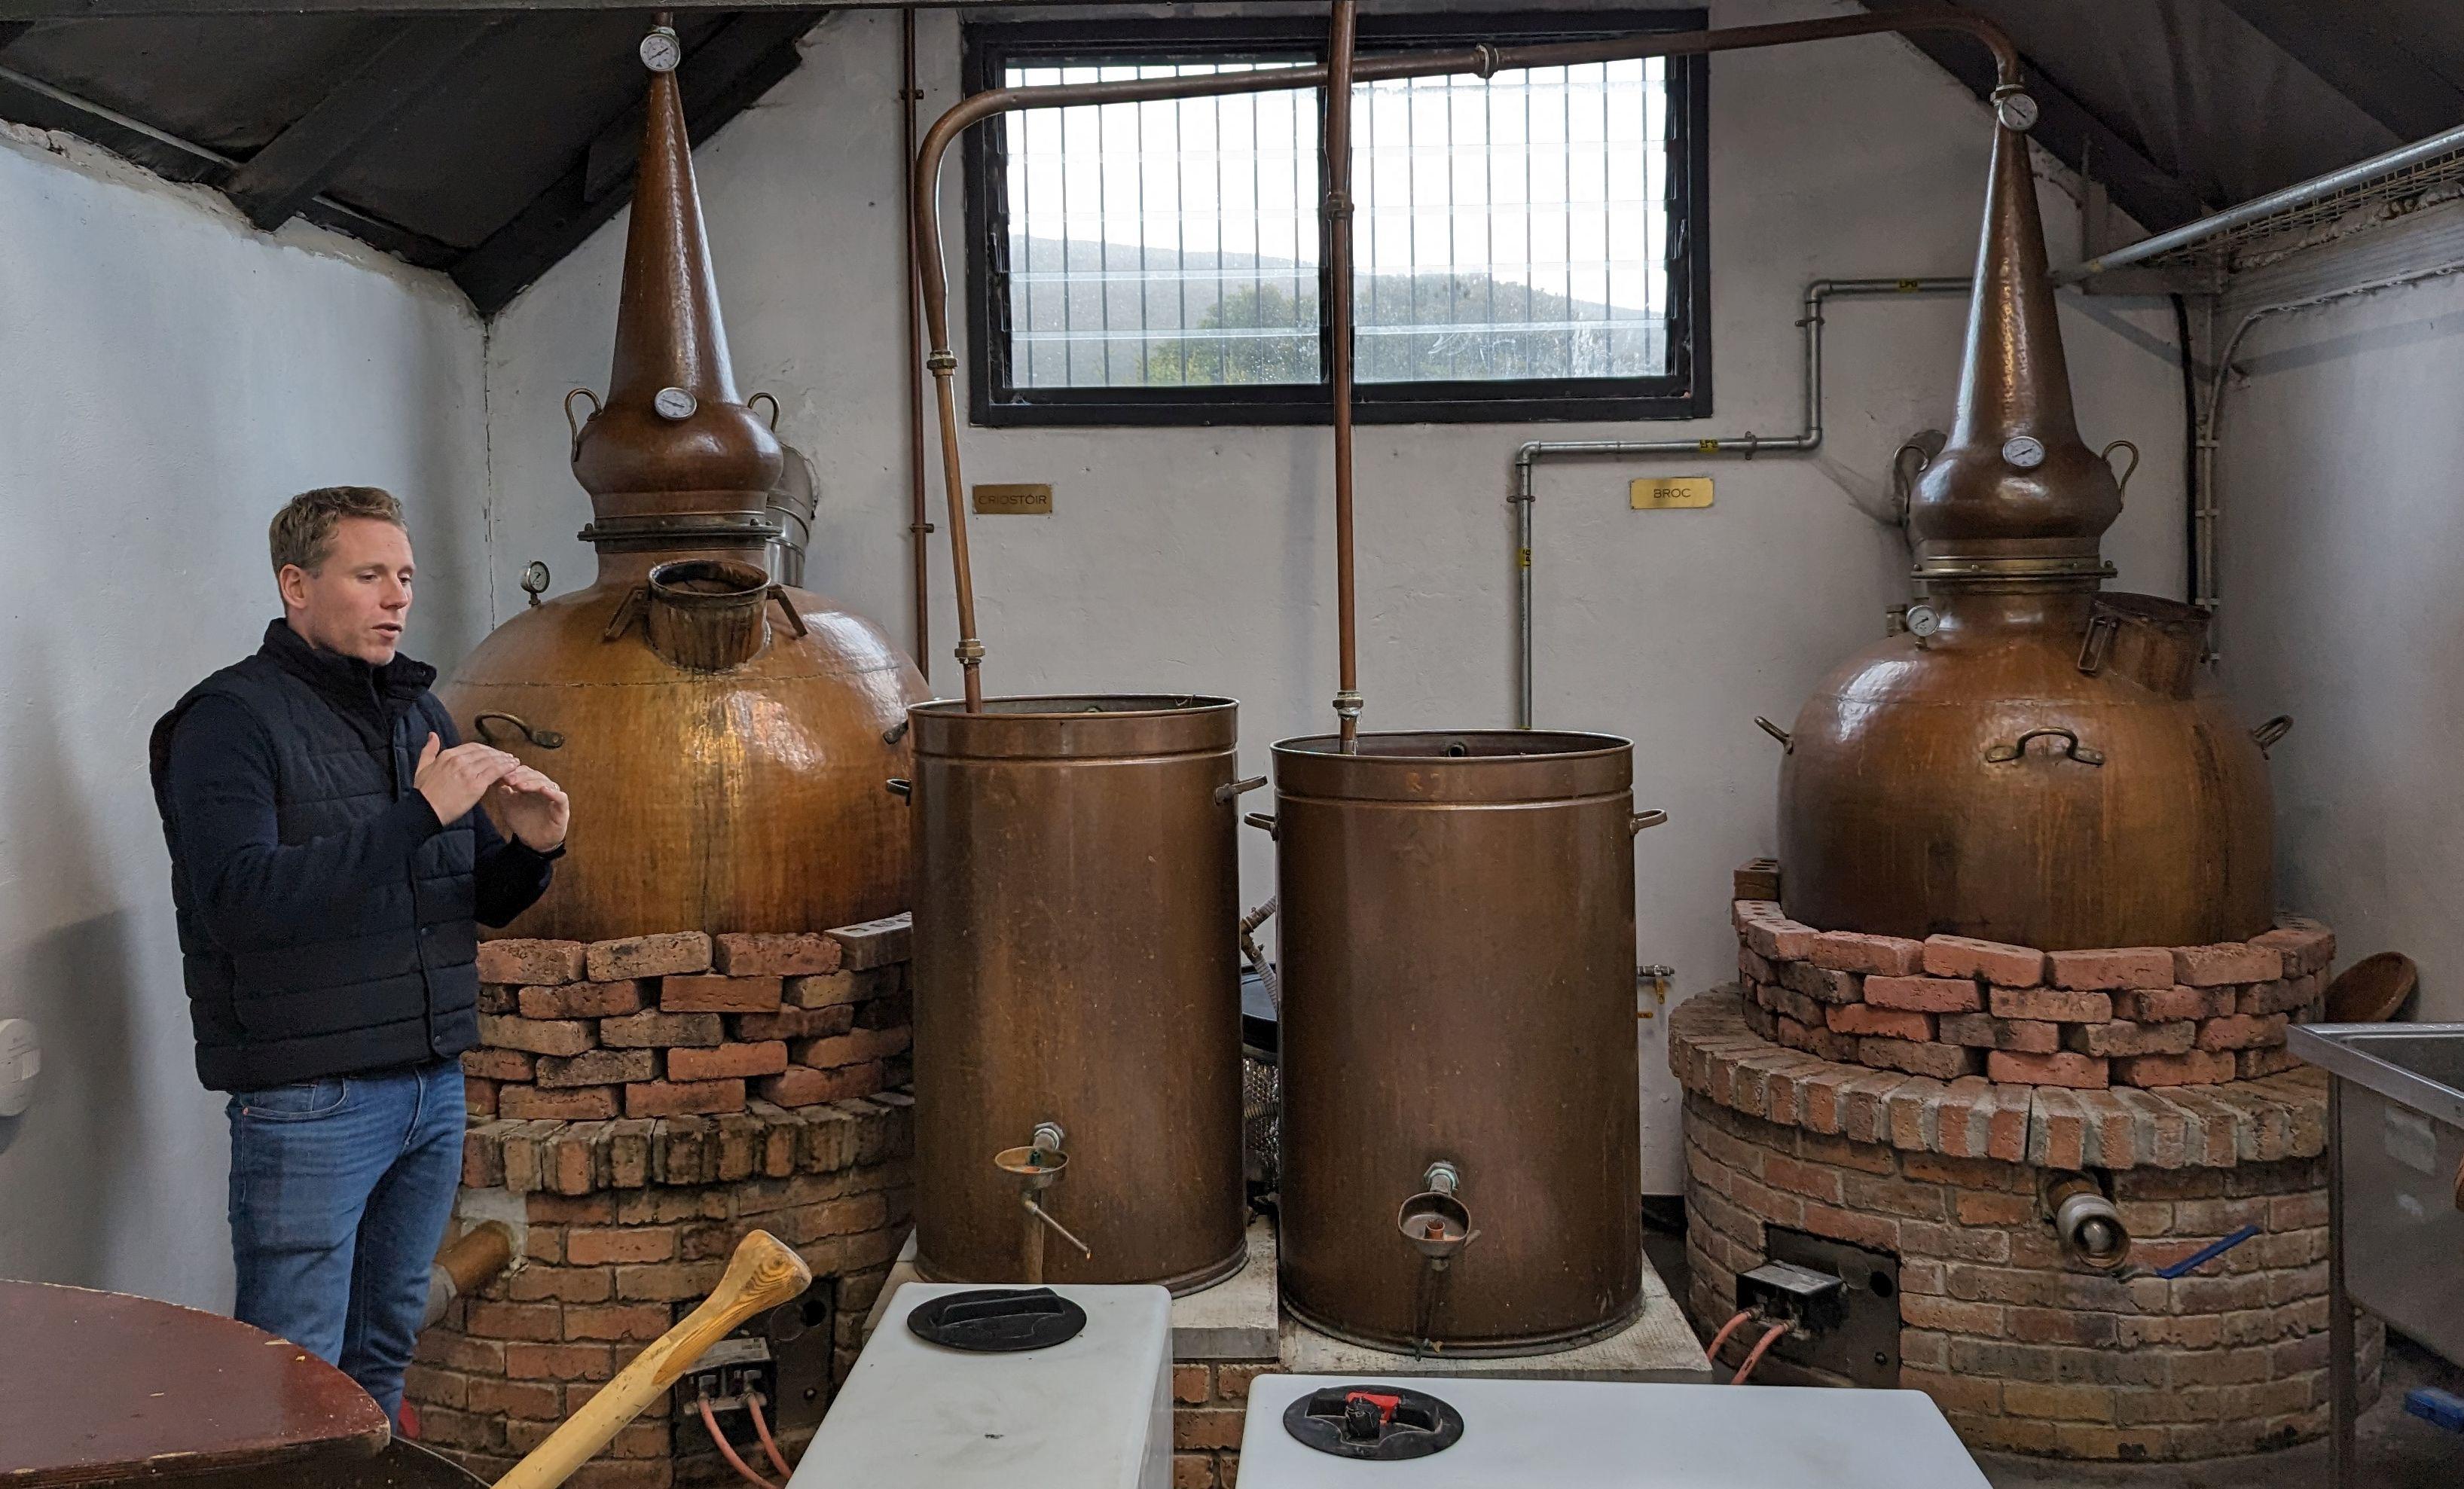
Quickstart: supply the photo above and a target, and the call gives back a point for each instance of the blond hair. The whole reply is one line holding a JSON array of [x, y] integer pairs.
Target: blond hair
[[302, 531]]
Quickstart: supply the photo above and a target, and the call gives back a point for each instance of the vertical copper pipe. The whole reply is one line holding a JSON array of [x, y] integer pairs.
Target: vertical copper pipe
[[919, 524], [1483, 60], [1337, 208]]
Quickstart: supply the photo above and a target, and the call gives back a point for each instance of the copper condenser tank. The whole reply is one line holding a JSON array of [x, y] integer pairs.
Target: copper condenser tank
[[1078, 1007], [2030, 760], [723, 737], [1460, 1119]]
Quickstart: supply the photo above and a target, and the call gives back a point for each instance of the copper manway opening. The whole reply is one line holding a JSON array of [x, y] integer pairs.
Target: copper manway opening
[[708, 615]]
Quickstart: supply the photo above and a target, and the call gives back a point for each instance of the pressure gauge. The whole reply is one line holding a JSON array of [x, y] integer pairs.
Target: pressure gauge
[[674, 403], [2023, 451], [535, 579], [660, 50], [1922, 622], [2017, 112]]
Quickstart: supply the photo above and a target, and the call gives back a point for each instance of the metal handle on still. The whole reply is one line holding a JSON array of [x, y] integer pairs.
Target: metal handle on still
[[543, 739], [2017, 749]]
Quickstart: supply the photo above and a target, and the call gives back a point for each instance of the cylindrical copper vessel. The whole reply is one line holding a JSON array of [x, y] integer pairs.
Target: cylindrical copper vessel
[[723, 739], [2034, 761], [1077, 912], [1458, 973]]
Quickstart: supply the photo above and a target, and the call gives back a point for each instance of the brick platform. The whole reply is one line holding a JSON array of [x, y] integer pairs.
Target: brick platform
[[1948, 1006], [685, 1025], [2026, 1350], [641, 1104]]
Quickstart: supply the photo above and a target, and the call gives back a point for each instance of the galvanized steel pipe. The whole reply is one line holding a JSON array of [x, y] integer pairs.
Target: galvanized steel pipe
[[1747, 445]]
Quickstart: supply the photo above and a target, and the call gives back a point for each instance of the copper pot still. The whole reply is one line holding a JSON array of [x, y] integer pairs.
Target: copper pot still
[[1077, 1011], [1460, 1108], [2032, 761], [723, 738]]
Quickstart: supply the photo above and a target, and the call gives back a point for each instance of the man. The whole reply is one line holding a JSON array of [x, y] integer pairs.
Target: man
[[328, 866]]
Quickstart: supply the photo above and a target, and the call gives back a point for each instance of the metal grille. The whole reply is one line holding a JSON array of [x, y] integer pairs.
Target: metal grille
[[1167, 242], [1514, 228], [1508, 228]]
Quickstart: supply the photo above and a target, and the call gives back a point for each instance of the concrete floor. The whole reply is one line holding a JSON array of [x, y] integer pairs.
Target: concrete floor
[[2396, 1451]]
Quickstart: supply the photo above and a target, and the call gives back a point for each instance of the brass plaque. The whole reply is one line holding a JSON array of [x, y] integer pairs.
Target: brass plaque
[[1025, 499], [1660, 492]]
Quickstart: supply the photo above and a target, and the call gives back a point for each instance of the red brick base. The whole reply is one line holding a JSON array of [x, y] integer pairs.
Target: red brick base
[[2024, 1349], [611, 1100], [1209, 1404]]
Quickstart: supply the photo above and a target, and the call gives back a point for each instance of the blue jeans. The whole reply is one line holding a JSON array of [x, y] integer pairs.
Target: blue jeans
[[340, 1194]]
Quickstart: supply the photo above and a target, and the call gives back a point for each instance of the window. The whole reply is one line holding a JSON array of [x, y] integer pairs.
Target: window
[[1524, 247]]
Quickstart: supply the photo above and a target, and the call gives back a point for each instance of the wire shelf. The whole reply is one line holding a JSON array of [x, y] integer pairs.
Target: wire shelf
[[2375, 199]]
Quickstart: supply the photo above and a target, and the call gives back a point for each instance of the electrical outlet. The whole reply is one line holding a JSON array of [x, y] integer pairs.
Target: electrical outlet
[[730, 1370]]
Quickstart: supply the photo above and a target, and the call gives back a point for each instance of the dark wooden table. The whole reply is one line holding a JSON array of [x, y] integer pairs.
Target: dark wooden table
[[101, 1389]]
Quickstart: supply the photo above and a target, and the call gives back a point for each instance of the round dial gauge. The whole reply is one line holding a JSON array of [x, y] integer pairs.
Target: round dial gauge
[[1922, 622], [535, 578], [2024, 450], [674, 403], [2017, 112], [662, 51]]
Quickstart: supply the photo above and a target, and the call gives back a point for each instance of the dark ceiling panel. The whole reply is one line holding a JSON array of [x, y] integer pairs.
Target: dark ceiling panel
[[2201, 93], [515, 115], [2385, 71], [231, 84], [2432, 31], [719, 79]]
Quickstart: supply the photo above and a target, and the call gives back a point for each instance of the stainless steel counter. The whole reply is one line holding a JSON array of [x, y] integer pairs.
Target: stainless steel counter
[[2396, 1146]]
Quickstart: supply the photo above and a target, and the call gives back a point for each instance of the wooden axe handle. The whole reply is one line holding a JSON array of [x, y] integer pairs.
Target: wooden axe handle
[[763, 1274]]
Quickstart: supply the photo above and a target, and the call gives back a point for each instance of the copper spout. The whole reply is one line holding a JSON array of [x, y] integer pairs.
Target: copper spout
[[1483, 60], [674, 452], [2017, 493]]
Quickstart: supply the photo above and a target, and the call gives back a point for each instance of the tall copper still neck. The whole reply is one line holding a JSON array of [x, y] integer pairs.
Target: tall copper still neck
[[2017, 494], [673, 461]]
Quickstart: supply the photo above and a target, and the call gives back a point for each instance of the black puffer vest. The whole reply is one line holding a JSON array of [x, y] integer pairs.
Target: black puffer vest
[[388, 976]]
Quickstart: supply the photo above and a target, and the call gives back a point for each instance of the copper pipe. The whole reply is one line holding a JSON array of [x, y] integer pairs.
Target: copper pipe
[[1338, 214], [1482, 60], [919, 523]]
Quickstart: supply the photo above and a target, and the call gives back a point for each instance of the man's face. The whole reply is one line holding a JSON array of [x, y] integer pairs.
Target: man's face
[[357, 599]]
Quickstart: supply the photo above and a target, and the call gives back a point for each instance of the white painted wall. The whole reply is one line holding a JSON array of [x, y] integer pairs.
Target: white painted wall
[[1201, 560], [167, 377], [2341, 605]]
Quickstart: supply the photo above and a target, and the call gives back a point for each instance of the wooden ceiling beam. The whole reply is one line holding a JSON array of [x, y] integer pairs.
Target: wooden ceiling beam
[[281, 179]]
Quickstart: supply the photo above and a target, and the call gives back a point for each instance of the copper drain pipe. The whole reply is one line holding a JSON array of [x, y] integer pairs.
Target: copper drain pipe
[[1337, 217], [1482, 60], [919, 523]]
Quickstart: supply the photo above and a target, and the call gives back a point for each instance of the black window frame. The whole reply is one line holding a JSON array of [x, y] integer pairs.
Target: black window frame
[[1685, 392]]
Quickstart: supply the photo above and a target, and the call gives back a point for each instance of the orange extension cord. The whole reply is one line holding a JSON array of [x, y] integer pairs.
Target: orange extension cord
[[727, 1449], [769, 1444], [1770, 1337], [1725, 1330]]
